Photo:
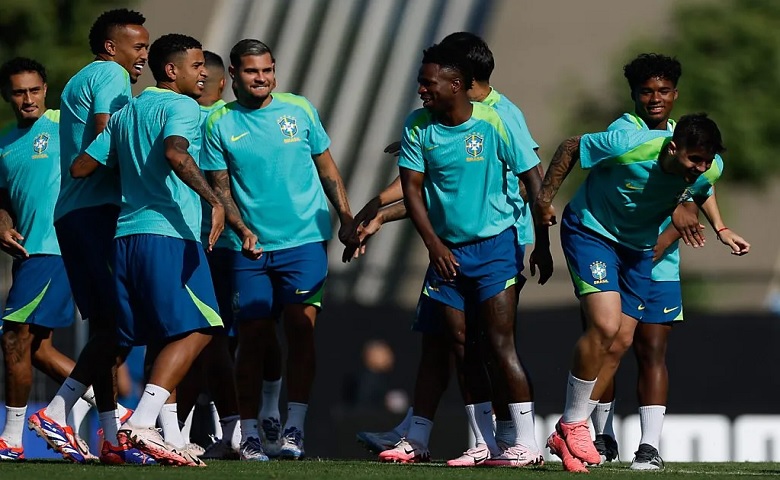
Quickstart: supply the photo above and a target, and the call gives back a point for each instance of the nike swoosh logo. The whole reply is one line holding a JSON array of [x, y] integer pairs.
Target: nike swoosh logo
[[418, 423], [668, 310], [72, 389], [428, 149], [480, 460], [239, 137], [150, 393], [525, 413], [301, 292], [19, 414], [487, 412], [641, 307], [408, 451], [4, 154], [631, 186]]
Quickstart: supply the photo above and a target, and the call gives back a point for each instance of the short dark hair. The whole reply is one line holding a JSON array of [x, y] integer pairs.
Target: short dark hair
[[213, 60], [652, 65], [477, 52], [165, 48], [697, 130], [450, 58], [249, 46], [106, 22], [15, 66]]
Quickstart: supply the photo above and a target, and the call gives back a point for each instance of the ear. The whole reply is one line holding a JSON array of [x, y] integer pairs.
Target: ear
[[675, 94], [45, 89], [457, 84], [170, 70], [672, 148], [232, 71], [110, 47], [222, 84]]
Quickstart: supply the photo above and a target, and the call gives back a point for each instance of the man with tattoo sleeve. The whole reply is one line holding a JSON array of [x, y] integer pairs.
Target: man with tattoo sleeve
[[269, 161], [163, 285]]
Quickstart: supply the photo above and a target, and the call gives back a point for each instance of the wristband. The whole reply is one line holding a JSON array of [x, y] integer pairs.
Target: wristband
[[721, 229]]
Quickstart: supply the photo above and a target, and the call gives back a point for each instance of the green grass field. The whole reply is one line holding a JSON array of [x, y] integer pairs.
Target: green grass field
[[316, 469]]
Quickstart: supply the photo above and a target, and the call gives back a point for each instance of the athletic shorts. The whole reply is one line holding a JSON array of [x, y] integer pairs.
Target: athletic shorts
[[164, 289], [86, 239], [289, 276], [40, 293], [664, 303], [221, 265], [598, 264]]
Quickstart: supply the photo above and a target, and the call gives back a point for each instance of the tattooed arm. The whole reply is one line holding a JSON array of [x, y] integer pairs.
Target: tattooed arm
[[9, 237], [567, 155], [541, 256], [83, 166], [220, 183], [334, 189]]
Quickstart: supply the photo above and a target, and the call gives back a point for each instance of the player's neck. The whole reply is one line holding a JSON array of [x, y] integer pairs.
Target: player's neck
[[254, 103], [104, 57], [459, 113], [479, 91], [24, 123], [662, 124]]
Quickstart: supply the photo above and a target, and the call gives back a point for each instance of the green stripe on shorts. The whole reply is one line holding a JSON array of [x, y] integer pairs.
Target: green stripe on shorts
[[24, 313]]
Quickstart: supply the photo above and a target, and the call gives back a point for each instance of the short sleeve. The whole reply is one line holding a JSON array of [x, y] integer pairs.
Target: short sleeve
[[514, 150], [318, 138], [411, 155], [212, 156], [182, 119], [101, 149], [114, 91]]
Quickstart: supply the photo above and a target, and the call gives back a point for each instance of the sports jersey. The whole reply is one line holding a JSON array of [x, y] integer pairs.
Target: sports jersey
[[30, 170], [274, 181], [154, 199], [102, 87], [626, 196], [466, 171], [667, 267]]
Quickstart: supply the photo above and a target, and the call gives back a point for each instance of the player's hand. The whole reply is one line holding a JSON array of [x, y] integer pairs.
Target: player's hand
[[364, 231], [660, 247], [738, 244], [348, 236], [544, 214], [686, 221], [217, 224], [393, 149], [249, 247], [443, 261], [9, 243], [541, 258]]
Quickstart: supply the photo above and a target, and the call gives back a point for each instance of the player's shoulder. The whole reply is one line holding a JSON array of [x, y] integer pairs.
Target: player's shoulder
[[418, 119], [220, 114], [52, 116], [627, 146], [297, 101], [627, 121], [715, 171]]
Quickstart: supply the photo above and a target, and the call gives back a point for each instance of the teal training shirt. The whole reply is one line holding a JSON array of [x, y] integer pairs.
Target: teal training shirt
[[626, 196], [667, 267], [509, 112], [466, 167], [268, 153], [100, 87], [30, 170], [154, 200]]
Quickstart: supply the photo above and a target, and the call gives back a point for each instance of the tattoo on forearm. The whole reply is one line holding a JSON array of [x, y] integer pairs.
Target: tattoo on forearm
[[567, 155], [394, 212], [336, 192], [220, 182], [185, 168]]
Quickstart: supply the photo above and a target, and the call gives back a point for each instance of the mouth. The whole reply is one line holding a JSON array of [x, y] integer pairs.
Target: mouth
[[30, 109], [200, 83], [138, 67], [426, 99], [655, 110], [258, 89]]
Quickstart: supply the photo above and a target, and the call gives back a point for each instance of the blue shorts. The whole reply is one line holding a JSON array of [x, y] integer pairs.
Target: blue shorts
[[664, 303], [221, 266], [598, 264], [163, 287], [40, 293], [282, 277], [487, 267], [86, 239]]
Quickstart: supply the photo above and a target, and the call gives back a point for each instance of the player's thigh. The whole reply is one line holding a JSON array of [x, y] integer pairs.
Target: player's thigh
[[221, 266], [299, 275], [253, 290], [40, 293]]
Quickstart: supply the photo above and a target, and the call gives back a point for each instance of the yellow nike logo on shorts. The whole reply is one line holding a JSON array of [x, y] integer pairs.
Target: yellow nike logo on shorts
[[641, 307], [669, 310], [239, 137], [301, 292]]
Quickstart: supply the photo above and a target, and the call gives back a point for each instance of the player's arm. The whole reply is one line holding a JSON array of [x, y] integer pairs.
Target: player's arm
[[737, 244], [541, 256], [101, 121], [9, 237], [83, 166], [220, 183], [566, 156], [333, 185], [184, 167], [368, 220], [97, 153]]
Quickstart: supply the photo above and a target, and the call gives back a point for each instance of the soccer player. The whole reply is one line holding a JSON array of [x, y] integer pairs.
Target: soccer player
[[652, 79], [609, 229], [40, 299], [85, 220], [164, 290], [269, 159]]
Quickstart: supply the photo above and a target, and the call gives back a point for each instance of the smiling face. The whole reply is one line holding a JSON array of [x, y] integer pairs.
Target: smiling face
[[654, 101], [436, 87], [189, 72], [27, 96], [689, 163], [129, 47], [255, 79]]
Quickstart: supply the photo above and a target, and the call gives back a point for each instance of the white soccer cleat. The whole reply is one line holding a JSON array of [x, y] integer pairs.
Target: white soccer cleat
[[252, 450], [377, 442]]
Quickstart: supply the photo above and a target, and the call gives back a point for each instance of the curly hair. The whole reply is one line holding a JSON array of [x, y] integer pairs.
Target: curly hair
[[15, 66], [652, 65], [106, 22]]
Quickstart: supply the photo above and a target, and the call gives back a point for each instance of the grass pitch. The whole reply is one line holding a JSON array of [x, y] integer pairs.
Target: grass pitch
[[327, 469]]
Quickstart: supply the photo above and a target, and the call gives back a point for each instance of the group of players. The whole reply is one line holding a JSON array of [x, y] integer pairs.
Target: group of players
[[122, 201]]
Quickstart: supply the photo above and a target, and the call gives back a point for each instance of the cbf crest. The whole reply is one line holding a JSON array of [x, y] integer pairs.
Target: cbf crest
[[599, 272], [40, 144], [474, 143], [289, 128]]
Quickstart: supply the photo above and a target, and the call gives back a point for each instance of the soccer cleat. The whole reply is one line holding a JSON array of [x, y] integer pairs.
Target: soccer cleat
[[59, 438], [195, 449], [292, 444], [252, 450], [149, 441], [83, 447], [607, 448], [378, 442], [272, 436], [471, 457], [189, 453], [405, 452], [7, 452], [558, 447], [219, 450], [647, 458], [515, 456], [577, 438], [123, 455]]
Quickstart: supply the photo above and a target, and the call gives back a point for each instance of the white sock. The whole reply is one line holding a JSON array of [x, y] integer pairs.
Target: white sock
[[216, 420], [152, 401], [480, 418], [169, 421], [523, 417], [420, 431], [15, 420], [651, 420], [78, 413], [578, 392], [121, 411], [109, 422], [67, 395], [270, 405], [506, 432], [296, 415], [187, 427], [602, 418], [89, 397], [231, 431], [249, 429], [403, 427]]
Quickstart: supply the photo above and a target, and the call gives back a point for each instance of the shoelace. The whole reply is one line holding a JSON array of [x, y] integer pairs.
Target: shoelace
[[581, 435]]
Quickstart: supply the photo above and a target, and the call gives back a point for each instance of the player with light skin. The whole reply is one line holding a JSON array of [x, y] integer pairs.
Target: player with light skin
[[155, 142], [653, 81], [611, 260], [120, 44], [281, 263]]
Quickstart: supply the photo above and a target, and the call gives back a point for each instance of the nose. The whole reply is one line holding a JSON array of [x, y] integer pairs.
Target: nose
[[144, 53], [421, 89], [701, 167], [28, 98]]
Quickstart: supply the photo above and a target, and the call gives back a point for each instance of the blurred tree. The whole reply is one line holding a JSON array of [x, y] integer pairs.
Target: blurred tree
[[730, 53], [54, 32]]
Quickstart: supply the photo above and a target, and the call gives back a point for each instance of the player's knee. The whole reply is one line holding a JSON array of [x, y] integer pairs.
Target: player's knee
[[16, 344]]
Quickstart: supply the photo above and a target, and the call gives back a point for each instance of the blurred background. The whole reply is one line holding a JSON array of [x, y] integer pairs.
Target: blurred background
[[561, 63]]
